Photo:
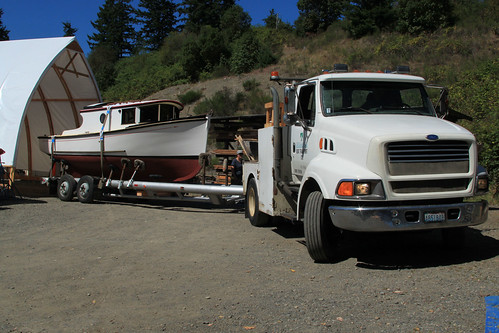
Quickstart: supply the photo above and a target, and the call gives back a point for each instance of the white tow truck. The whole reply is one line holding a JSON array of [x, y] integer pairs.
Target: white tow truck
[[364, 152]]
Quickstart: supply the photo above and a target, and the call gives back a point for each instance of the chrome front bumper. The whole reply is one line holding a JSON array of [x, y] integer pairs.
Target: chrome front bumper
[[402, 218]]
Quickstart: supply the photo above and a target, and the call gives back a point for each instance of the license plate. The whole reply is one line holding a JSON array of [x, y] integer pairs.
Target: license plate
[[434, 217]]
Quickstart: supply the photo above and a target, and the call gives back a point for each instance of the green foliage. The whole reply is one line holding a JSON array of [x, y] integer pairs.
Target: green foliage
[[139, 76], [234, 23], [102, 60], [158, 20], [223, 103], [249, 53], [199, 13], [317, 15], [476, 93], [254, 101], [366, 17], [250, 85], [418, 16], [68, 29], [114, 27], [190, 97]]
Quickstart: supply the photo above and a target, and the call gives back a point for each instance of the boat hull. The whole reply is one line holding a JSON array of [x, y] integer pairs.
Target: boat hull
[[169, 150]]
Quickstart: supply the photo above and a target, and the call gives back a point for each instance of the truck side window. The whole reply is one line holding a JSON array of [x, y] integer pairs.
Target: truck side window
[[306, 104]]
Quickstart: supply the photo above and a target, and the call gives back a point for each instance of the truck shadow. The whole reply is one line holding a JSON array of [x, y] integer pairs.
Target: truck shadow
[[419, 250], [406, 250]]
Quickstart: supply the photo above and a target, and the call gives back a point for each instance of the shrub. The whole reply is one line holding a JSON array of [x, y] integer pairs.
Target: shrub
[[190, 97]]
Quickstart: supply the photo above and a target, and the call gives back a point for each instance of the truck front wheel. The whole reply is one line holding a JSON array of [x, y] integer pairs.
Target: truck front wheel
[[256, 217], [321, 235]]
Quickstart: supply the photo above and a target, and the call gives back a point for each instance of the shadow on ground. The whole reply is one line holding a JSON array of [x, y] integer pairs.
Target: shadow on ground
[[402, 250]]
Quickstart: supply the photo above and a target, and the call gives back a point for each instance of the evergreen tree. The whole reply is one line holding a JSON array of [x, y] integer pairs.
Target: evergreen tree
[[274, 22], [4, 33], [365, 17], [158, 19], [417, 16], [68, 29], [234, 23], [317, 15], [198, 13], [114, 27]]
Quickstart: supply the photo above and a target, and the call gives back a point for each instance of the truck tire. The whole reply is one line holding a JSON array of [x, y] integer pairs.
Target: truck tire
[[66, 187], [256, 217], [85, 189], [321, 235]]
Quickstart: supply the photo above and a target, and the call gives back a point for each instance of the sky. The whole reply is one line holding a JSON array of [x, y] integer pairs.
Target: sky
[[26, 19]]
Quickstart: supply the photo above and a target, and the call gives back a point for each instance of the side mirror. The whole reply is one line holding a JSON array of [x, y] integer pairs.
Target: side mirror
[[290, 118], [442, 107]]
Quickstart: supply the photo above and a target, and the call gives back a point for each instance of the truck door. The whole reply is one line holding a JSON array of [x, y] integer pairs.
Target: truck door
[[306, 110]]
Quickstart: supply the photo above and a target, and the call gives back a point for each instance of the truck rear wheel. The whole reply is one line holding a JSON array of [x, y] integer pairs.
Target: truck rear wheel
[[65, 187], [321, 235], [256, 217]]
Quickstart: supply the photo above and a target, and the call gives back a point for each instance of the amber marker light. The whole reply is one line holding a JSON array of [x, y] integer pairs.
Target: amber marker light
[[345, 189]]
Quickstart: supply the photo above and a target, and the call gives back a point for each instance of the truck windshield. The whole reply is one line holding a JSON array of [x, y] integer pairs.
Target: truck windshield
[[376, 97]]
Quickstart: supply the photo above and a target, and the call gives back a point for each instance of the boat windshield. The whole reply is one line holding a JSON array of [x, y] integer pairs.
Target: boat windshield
[[158, 112], [374, 97]]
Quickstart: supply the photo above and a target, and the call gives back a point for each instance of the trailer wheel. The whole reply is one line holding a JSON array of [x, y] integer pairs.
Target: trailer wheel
[[321, 236], [85, 189], [66, 187], [256, 217]]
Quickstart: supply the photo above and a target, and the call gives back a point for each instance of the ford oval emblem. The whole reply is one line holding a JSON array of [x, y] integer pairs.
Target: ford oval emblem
[[432, 137]]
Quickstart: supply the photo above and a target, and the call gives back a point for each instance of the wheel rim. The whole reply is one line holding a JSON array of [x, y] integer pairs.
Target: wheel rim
[[84, 190], [64, 188], [251, 202]]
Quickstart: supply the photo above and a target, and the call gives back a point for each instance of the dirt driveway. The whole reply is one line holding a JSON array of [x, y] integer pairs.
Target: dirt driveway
[[130, 267]]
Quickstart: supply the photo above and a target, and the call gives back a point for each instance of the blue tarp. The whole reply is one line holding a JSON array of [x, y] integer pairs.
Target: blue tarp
[[492, 314]]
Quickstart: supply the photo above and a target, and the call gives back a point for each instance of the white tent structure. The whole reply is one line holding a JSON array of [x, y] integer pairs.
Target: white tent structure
[[43, 85]]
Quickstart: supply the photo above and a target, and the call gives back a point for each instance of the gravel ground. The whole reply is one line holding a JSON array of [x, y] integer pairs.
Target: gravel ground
[[130, 267]]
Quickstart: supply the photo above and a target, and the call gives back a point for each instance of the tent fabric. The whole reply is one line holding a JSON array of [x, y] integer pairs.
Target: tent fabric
[[43, 85]]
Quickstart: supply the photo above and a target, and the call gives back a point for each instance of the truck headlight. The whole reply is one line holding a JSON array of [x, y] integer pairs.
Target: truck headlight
[[360, 189], [482, 181]]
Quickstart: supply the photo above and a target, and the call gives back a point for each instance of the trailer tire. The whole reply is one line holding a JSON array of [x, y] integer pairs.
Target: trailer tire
[[85, 189], [321, 236], [66, 187], [256, 217]]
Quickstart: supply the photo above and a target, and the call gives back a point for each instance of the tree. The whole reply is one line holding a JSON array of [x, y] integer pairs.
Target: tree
[[245, 53], [114, 27], [234, 23], [198, 13], [417, 16], [158, 19], [4, 33], [317, 15], [365, 17], [274, 22], [68, 29]]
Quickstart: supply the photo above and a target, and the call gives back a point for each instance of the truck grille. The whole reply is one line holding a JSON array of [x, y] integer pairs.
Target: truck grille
[[425, 157]]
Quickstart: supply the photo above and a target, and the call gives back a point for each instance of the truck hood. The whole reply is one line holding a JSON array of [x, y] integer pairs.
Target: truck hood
[[366, 127]]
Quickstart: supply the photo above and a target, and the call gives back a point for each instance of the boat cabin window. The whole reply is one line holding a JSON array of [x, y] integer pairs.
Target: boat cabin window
[[128, 116], [158, 112]]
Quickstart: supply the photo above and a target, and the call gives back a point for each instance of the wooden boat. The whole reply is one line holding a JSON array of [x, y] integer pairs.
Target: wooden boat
[[149, 131]]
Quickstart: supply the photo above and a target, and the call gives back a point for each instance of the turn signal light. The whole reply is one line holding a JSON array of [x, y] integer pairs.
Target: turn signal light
[[346, 189]]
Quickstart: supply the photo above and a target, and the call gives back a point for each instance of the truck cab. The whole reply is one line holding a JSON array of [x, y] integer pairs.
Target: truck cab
[[363, 152]]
